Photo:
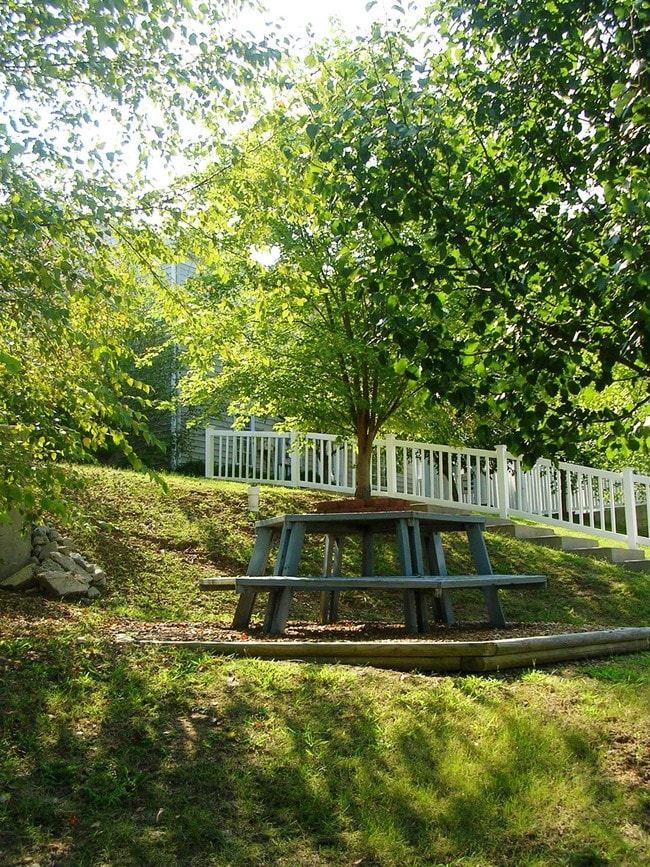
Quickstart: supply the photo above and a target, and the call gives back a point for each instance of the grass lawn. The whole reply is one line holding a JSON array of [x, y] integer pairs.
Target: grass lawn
[[132, 755]]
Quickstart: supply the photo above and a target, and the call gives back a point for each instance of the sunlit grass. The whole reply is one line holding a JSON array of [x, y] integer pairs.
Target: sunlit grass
[[180, 757], [133, 755]]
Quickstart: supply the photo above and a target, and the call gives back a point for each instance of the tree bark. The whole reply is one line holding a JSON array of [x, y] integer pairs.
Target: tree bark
[[365, 442]]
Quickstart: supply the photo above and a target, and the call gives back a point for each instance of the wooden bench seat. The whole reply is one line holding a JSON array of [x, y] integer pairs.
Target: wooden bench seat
[[414, 587], [382, 582], [225, 582]]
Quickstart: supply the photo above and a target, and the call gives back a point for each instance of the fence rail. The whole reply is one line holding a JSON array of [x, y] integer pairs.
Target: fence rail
[[603, 503]]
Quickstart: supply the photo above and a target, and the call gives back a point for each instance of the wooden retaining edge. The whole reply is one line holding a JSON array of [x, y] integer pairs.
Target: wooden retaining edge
[[529, 658], [443, 656]]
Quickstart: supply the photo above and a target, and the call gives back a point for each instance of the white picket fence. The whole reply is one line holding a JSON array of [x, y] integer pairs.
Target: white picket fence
[[608, 504]]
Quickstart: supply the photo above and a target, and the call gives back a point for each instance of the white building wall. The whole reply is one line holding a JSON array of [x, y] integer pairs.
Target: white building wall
[[195, 450], [192, 445]]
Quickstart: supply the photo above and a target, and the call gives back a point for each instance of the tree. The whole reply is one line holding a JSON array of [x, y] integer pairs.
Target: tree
[[557, 93], [512, 149], [496, 188], [301, 332], [71, 274]]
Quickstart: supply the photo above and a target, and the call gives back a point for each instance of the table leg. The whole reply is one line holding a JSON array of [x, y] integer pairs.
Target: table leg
[[261, 549], [329, 606], [443, 609], [293, 536], [244, 609], [288, 559], [403, 548], [416, 548], [411, 560], [277, 611], [280, 559], [406, 568], [416, 612], [435, 555], [481, 559], [257, 566], [493, 604], [422, 610], [478, 549], [329, 599], [410, 612]]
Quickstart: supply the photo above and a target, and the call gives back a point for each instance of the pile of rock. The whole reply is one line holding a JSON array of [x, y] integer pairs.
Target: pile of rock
[[56, 569]]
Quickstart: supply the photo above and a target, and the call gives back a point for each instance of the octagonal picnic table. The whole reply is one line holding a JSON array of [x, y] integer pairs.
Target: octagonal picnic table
[[423, 574]]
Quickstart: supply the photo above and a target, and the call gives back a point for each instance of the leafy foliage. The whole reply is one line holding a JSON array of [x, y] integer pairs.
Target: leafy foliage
[[558, 96], [310, 281], [72, 276], [506, 163]]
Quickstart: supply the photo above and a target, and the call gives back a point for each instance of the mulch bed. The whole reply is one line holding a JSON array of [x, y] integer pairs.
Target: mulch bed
[[36, 615]]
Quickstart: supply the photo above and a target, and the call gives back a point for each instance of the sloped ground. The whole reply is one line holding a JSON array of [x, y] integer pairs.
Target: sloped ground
[[155, 546], [117, 753]]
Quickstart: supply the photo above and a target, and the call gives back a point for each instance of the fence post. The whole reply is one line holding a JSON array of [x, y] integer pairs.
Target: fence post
[[521, 487], [295, 459], [209, 453], [629, 497], [502, 481], [391, 466]]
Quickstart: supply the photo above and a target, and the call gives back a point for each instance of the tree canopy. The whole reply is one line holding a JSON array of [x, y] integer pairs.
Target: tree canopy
[[512, 150], [458, 210], [483, 193], [558, 94], [292, 305], [71, 278]]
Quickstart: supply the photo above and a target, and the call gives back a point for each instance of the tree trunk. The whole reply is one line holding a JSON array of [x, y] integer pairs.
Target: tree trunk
[[365, 443]]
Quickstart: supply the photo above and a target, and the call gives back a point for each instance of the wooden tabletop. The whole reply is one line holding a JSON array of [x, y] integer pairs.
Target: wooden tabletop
[[318, 522]]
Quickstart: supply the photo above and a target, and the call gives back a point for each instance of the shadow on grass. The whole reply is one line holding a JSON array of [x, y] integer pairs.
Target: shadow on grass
[[131, 756]]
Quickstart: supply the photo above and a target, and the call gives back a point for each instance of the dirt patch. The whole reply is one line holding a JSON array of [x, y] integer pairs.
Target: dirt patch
[[343, 631], [21, 614]]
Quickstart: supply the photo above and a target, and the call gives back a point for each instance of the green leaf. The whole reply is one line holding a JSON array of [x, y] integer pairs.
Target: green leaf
[[11, 364]]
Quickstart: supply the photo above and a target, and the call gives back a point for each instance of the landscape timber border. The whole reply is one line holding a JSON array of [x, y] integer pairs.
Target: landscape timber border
[[433, 656]]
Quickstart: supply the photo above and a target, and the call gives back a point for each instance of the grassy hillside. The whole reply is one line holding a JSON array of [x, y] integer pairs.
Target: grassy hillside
[[155, 546], [119, 754]]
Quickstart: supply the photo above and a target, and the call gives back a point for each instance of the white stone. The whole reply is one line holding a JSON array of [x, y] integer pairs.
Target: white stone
[[62, 584], [64, 561], [21, 580], [84, 577], [46, 548], [80, 561], [55, 568]]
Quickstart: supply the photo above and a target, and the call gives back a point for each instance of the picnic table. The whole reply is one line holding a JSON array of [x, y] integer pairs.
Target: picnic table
[[423, 577]]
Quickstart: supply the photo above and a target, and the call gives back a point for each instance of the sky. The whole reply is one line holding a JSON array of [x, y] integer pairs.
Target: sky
[[304, 20], [297, 15]]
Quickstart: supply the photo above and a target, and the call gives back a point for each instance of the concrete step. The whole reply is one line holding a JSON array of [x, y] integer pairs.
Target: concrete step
[[523, 531], [550, 540], [538, 536], [636, 565], [575, 543], [500, 525], [614, 555]]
